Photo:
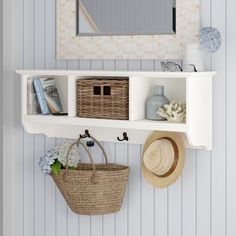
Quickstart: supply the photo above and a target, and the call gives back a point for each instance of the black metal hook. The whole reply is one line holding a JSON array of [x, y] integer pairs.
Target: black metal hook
[[125, 137], [86, 135]]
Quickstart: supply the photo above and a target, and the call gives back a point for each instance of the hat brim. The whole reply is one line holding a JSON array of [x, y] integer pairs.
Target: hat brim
[[159, 181]]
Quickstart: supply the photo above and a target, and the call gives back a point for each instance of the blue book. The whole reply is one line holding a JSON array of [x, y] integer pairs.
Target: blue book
[[41, 98]]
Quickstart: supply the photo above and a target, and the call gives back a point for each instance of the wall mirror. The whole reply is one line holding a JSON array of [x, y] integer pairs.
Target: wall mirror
[[125, 17], [126, 29]]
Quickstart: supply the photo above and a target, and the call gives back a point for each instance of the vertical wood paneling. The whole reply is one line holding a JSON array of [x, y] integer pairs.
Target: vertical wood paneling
[[50, 198], [160, 210], [122, 216], [39, 195], [157, 65], [85, 226], [203, 197], [28, 185], [121, 65], [7, 118], [189, 195], [28, 34], [50, 62], [134, 190], [219, 154], [148, 208], [85, 64], [50, 34], [204, 158], [109, 64], [39, 140], [201, 202], [61, 210], [1, 116], [230, 118], [96, 65], [1, 109], [18, 130], [109, 221], [174, 208], [39, 31], [29, 226], [73, 65], [134, 65], [148, 65]]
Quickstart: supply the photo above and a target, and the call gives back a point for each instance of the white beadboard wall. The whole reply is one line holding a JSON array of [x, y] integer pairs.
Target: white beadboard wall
[[201, 203], [1, 109]]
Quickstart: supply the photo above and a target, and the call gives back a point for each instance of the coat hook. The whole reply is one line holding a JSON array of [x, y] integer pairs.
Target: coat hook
[[86, 135], [125, 137]]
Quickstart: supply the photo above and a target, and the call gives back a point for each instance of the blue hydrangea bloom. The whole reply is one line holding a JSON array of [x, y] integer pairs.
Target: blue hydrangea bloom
[[210, 39], [47, 160]]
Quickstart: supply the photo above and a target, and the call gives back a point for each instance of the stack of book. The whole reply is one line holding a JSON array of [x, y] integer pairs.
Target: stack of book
[[43, 97]]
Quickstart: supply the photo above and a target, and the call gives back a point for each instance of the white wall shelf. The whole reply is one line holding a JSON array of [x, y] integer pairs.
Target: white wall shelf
[[193, 88]]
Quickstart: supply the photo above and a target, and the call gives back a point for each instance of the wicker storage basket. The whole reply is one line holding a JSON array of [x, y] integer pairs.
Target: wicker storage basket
[[93, 189], [103, 98]]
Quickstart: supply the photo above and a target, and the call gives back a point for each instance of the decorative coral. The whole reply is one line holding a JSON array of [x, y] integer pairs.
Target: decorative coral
[[173, 112], [210, 39]]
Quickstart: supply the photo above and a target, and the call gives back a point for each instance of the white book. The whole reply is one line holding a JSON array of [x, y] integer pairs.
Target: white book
[[32, 100]]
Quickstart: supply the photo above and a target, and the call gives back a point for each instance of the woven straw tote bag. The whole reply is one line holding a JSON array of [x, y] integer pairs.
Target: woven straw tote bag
[[93, 189]]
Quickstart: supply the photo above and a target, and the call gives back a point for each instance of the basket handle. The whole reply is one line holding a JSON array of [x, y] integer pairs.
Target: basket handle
[[87, 135], [94, 178]]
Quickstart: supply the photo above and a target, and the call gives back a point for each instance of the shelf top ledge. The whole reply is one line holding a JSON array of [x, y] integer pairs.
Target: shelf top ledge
[[115, 73]]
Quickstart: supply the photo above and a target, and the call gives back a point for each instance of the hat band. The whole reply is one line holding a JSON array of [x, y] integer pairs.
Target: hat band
[[176, 158]]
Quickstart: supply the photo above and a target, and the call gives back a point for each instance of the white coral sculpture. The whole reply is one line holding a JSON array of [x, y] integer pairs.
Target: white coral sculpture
[[173, 112]]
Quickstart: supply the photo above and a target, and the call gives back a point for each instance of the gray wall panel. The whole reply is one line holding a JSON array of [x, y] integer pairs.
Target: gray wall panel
[[202, 202], [1, 111]]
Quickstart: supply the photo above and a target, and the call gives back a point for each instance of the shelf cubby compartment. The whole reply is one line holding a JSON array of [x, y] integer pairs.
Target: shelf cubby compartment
[[61, 84], [142, 87], [193, 88]]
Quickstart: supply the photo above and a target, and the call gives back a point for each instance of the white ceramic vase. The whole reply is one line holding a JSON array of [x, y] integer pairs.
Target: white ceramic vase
[[192, 55]]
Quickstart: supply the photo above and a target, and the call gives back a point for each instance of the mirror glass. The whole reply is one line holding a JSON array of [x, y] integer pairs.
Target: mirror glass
[[126, 17]]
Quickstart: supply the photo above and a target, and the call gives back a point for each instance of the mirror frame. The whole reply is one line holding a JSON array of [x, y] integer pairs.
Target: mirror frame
[[71, 46]]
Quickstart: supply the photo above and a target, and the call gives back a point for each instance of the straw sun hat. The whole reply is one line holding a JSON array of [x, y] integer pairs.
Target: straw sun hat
[[163, 158]]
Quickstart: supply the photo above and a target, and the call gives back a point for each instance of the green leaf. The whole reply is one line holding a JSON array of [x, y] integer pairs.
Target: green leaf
[[56, 167], [72, 168]]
